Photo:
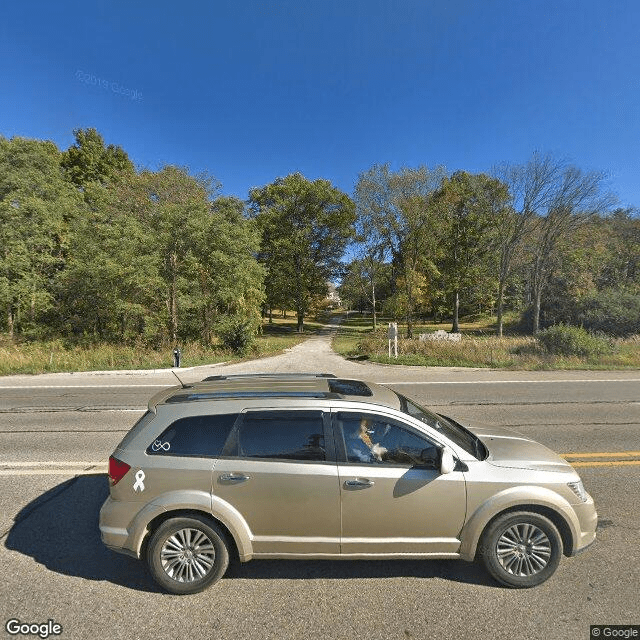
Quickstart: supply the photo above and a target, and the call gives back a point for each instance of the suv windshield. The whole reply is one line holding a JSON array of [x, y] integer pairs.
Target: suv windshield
[[452, 430]]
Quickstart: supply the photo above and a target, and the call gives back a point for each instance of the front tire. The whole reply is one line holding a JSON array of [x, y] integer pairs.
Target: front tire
[[187, 555], [521, 549]]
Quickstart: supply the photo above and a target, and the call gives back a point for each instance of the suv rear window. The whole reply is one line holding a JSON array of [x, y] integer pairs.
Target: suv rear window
[[200, 436]]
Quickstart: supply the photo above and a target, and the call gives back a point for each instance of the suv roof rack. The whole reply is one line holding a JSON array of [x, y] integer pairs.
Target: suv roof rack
[[225, 395], [235, 376]]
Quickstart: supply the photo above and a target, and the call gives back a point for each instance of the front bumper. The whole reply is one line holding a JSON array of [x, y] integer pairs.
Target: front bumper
[[588, 520]]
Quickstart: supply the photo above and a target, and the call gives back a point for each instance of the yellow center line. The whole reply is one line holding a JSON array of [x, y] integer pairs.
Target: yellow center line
[[601, 463], [585, 459], [594, 454]]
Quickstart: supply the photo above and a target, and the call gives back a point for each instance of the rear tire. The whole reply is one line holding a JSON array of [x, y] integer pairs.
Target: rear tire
[[187, 555], [521, 549]]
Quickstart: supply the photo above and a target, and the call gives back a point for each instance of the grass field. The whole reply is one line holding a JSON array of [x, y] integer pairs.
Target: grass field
[[57, 356], [477, 348], [355, 339]]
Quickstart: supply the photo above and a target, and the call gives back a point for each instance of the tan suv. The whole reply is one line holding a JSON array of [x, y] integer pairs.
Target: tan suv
[[312, 466]]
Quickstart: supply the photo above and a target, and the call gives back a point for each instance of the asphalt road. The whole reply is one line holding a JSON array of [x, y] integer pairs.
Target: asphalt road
[[56, 434]]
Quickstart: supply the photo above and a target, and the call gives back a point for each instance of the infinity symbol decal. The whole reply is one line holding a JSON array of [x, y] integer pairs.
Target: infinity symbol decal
[[158, 444]]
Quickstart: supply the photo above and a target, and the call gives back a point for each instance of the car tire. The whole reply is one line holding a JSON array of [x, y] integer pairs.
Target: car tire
[[521, 549], [188, 554]]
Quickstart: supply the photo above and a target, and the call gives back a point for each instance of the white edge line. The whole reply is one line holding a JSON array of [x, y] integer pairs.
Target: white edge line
[[50, 463], [389, 382], [386, 382], [85, 386], [51, 472], [85, 409]]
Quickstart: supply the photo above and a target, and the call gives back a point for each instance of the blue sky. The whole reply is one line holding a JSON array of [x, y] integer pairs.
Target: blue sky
[[253, 90]]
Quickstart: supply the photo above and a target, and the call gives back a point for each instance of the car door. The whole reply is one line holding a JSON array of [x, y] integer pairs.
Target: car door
[[180, 458], [279, 471], [394, 500]]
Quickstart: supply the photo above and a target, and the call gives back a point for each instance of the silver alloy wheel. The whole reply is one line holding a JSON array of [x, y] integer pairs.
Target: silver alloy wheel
[[523, 550], [187, 555]]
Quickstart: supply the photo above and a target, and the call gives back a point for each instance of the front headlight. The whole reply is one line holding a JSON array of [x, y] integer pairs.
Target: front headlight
[[578, 489]]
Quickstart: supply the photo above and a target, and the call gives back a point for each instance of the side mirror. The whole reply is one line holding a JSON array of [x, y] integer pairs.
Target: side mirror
[[429, 458], [447, 462]]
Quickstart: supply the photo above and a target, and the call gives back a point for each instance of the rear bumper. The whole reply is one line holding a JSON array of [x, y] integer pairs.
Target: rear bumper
[[114, 525], [123, 531]]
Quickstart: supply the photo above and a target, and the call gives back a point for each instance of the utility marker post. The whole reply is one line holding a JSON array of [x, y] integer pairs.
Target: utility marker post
[[392, 333]]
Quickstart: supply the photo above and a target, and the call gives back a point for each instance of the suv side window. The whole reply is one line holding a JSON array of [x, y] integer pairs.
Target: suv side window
[[375, 439], [281, 435], [200, 436]]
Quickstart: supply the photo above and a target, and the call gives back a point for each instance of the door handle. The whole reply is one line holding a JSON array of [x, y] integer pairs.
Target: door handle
[[233, 477], [359, 483]]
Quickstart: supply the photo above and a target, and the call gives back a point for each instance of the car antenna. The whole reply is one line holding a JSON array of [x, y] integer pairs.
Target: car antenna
[[184, 386]]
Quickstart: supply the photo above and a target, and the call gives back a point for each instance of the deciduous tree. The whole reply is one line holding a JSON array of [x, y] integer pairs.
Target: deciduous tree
[[305, 226], [36, 207], [393, 214]]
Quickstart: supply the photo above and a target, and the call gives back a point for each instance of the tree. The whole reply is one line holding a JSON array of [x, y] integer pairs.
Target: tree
[[621, 266], [572, 197], [471, 207], [593, 279], [420, 251], [393, 214], [111, 287], [364, 280], [229, 277], [530, 187], [89, 160], [160, 258], [305, 226], [36, 207]]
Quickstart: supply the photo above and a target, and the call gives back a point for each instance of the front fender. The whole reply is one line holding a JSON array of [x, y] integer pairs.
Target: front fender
[[523, 497]]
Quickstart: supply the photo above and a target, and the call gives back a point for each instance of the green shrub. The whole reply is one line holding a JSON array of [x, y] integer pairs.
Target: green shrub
[[613, 311], [567, 340], [237, 334]]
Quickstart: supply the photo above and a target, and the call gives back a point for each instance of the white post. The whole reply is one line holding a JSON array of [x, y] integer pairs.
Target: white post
[[392, 334]]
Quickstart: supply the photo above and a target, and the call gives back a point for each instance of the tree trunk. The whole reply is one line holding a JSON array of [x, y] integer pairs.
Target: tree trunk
[[456, 309], [373, 299], [300, 322], [207, 324], [173, 310], [10, 320], [537, 303], [500, 305], [410, 311]]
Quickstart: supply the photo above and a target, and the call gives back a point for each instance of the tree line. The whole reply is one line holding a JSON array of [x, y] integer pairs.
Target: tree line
[[93, 249], [541, 239]]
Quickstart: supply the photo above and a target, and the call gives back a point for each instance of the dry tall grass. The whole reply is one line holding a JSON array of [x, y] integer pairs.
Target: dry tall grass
[[511, 352]]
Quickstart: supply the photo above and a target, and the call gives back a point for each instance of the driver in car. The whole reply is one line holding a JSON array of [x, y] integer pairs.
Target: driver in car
[[361, 446]]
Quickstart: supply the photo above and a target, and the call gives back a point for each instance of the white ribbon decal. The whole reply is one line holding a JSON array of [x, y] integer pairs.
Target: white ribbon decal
[[139, 484]]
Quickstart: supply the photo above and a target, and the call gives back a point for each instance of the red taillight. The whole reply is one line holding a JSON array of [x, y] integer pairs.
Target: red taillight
[[117, 470]]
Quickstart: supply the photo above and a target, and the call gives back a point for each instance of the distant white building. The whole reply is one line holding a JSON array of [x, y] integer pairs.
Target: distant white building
[[332, 297]]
